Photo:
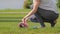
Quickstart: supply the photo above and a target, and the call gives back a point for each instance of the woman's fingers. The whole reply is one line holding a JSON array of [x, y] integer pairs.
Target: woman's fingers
[[24, 20]]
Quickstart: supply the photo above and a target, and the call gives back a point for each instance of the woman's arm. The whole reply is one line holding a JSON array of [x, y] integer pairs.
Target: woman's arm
[[35, 7]]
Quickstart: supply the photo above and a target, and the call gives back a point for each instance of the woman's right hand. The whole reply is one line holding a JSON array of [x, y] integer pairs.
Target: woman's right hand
[[24, 20]]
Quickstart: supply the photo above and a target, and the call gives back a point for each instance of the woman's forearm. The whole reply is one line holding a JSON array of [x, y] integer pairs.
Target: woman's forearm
[[30, 13]]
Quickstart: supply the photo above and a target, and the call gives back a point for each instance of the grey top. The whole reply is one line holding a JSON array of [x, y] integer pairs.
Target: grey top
[[48, 5]]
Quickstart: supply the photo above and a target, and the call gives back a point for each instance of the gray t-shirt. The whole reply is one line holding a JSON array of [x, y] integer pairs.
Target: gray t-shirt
[[48, 5]]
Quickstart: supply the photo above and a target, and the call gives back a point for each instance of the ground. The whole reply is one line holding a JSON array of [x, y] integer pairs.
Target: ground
[[9, 24]]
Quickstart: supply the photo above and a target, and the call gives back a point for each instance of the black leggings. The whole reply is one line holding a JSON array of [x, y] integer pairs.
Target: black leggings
[[43, 15]]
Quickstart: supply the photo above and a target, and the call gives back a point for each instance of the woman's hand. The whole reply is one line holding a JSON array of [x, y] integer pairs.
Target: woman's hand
[[24, 20]]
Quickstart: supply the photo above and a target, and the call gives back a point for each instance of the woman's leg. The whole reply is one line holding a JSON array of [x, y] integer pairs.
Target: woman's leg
[[48, 15], [39, 18], [53, 23], [33, 20]]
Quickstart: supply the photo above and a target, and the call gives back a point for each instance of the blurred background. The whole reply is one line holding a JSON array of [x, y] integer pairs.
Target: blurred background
[[18, 4], [11, 4], [11, 13]]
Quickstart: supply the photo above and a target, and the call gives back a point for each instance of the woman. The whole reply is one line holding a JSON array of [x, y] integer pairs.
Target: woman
[[44, 10]]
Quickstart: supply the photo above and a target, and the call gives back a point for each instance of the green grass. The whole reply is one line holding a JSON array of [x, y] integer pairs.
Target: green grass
[[15, 10], [9, 24]]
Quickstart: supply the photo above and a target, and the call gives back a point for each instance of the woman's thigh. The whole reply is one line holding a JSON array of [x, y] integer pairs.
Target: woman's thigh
[[47, 14]]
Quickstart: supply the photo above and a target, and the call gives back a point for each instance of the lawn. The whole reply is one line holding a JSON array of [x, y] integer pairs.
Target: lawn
[[9, 24], [15, 10]]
